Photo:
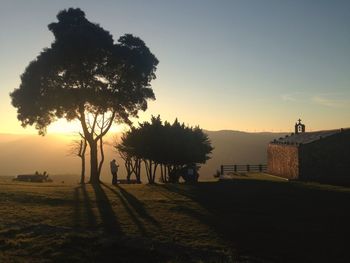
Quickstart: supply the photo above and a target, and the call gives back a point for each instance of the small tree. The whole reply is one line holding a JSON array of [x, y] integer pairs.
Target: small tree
[[78, 148], [132, 165], [130, 151], [85, 76]]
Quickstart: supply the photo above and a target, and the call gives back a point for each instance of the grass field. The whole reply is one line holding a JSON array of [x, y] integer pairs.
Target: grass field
[[253, 218]]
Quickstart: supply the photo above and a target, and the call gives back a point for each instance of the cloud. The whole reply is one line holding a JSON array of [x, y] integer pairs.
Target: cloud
[[295, 96], [330, 102], [288, 97]]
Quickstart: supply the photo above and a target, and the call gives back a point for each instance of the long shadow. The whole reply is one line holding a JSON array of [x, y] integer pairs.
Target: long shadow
[[109, 219], [276, 221], [77, 208], [134, 218], [91, 219], [138, 206], [182, 207], [164, 192]]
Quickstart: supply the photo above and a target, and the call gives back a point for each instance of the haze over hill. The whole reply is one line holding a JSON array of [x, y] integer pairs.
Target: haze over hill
[[236, 147], [21, 154]]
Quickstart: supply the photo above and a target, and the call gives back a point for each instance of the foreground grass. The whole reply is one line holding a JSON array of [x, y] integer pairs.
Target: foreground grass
[[249, 219]]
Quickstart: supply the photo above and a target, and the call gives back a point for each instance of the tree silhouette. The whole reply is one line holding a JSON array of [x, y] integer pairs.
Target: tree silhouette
[[132, 165], [172, 147], [78, 148], [85, 76]]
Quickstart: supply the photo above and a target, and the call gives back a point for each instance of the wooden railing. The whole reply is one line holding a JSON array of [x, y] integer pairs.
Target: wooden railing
[[238, 168]]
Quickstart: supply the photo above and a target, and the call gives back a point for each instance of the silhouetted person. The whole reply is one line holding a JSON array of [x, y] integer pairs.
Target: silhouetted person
[[114, 171], [190, 173]]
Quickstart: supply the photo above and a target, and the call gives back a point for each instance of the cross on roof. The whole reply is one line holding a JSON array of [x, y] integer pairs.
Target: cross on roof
[[299, 120]]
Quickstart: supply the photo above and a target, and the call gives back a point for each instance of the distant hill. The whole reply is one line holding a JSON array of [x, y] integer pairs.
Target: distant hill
[[20, 154], [30, 153], [236, 147]]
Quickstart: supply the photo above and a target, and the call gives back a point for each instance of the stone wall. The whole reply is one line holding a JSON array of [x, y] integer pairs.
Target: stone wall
[[326, 158], [282, 160]]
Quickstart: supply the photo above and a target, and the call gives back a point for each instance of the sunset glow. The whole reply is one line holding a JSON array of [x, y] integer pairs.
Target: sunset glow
[[249, 67], [200, 131]]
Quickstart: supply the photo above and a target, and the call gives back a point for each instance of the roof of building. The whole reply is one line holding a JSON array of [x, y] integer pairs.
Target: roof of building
[[306, 137]]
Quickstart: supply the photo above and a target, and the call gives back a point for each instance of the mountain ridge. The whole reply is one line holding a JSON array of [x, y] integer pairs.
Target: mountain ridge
[[26, 153]]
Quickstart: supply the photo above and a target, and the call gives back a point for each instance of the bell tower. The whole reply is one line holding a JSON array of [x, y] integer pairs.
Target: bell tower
[[299, 127]]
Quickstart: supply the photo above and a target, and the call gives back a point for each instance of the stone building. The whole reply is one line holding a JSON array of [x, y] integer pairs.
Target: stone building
[[311, 155]]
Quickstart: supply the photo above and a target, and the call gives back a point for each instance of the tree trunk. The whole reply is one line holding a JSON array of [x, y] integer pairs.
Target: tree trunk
[[164, 172], [138, 170], [151, 168], [82, 156], [82, 177], [148, 167], [102, 158], [94, 176], [162, 177], [154, 172]]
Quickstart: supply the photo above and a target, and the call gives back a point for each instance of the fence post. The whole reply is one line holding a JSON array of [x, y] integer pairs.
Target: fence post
[[235, 168], [260, 168], [248, 168], [222, 170]]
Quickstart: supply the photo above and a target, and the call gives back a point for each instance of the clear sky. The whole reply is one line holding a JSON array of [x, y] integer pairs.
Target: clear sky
[[242, 65]]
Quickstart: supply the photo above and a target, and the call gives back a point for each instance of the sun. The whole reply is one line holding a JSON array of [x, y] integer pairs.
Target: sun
[[64, 127]]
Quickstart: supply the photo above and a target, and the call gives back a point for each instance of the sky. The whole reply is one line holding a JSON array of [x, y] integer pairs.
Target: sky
[[224, 65]]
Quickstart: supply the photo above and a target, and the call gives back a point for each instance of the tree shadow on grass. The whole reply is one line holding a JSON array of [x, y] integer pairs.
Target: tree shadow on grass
[[125, 204], [276, 221], [112, 245], [81, 198], [109, 219], [182, 205], [138, 206], [77, 208]]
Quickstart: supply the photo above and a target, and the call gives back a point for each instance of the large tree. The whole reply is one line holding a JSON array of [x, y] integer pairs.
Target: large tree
[[85, 76]]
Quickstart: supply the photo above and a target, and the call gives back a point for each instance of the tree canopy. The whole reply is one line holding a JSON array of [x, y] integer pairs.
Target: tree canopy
[[171, 145], [84, 75]]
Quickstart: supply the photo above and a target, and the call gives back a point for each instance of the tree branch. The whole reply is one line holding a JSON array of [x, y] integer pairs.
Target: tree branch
[[94, 124], [82, 119], [110, 122]]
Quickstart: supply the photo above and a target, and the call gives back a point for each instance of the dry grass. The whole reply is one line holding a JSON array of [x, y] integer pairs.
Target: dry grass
[[252, 218], [52, 222]]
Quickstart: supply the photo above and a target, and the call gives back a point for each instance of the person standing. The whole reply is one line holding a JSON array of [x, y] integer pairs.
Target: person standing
[[114, 171]]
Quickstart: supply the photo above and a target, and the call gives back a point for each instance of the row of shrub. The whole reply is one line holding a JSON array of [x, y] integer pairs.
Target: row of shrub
[[175, 149]]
